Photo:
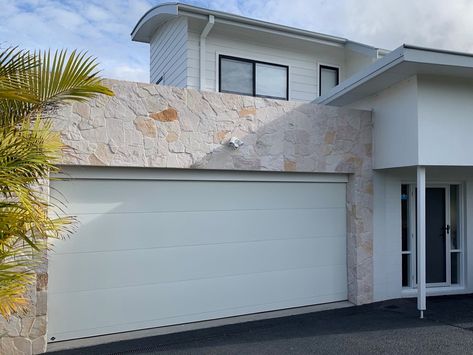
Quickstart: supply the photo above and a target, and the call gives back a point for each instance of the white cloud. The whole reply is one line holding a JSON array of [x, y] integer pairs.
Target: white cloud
[[432, 23], [382, 23], [102, 27], [131, 73]]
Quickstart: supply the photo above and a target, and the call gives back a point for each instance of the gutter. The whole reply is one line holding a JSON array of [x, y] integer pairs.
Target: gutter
[[225, 17], [203, 37]]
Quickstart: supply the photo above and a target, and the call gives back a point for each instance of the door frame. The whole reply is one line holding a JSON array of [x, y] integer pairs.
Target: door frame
[[448, 250]]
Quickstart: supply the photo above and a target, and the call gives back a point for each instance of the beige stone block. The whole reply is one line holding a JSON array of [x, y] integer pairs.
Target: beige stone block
[[11, 327], [95, 135], [146, 126], [26, 325], [171, 137], [41, 303], [168, 115], [82, 109], [220, 136], [329, 137], [246, 162], [41, 281], [290, 165], [94, 160], [39, 345], [39, 327], [272, 163], [7, 346], [23, 345], [247, 111]]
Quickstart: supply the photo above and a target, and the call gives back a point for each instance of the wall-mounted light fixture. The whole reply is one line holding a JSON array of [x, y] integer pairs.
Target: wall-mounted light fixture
[[235, 142]]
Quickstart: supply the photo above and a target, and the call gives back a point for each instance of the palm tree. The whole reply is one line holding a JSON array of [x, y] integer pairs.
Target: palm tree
[[32, 87]]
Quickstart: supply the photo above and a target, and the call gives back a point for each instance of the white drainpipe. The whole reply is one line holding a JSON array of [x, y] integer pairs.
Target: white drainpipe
[[203, 36]]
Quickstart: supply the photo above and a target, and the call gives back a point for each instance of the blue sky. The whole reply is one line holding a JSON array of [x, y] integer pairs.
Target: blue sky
[[102, 27]]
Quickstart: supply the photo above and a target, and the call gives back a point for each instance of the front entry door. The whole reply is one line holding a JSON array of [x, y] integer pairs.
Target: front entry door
[[436, 235], [444, 247]]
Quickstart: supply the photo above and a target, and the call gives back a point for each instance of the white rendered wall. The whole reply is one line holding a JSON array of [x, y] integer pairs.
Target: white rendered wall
[[395, 131], [168, 53], [445, 121], [387, 267], [386, 236]]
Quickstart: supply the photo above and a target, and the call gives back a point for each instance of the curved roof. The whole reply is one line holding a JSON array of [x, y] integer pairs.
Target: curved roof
[[161, 13], [152, 19]]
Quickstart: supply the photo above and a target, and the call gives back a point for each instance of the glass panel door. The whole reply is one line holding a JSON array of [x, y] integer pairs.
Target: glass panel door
[[436, 234], [444, 253]]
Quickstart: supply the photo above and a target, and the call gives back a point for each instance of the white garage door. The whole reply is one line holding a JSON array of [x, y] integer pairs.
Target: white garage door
[[181, 247]]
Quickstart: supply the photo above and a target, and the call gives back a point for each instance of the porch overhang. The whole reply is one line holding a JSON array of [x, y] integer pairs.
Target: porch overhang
[[402, 63]]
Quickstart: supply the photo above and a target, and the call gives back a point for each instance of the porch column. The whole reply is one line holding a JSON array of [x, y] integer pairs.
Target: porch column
[[421, 295]]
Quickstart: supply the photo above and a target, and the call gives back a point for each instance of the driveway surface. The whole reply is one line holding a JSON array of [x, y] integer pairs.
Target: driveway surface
[[391, 327]]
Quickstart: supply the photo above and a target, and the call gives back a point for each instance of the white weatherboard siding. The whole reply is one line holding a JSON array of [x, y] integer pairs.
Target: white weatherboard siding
[[168, 53], [152, 253], [303, 60]]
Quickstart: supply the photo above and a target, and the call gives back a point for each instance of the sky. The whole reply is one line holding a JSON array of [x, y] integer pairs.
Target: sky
[[102, 27]]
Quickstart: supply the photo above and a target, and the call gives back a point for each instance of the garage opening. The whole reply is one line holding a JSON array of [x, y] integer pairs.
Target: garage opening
[[159, 247]]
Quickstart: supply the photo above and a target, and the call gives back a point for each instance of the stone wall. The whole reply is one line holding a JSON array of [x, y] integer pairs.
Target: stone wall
[[155, 126], [25, 333]]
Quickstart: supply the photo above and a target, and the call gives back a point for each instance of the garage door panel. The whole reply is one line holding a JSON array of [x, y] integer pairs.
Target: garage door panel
[[126, 231], [120, 196], [151, 253], [157, 305], [125, 268]]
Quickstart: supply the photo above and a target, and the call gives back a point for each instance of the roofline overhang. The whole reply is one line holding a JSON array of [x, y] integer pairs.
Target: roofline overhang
[[404, 54], [152, 19], [157, 15]]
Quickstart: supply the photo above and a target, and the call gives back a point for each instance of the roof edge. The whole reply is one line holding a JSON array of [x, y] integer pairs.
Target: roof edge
[[144, 28], [147, 24], [378, 67], [405, 53]]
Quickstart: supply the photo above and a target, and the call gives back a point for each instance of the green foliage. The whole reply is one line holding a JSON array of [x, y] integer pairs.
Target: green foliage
[[32, 86]]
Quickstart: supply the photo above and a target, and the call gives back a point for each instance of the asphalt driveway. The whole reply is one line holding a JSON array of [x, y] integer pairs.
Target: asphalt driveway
[[391, 327]]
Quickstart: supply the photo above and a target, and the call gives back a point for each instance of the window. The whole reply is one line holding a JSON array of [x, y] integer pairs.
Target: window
[[328, 79], [249, 77]]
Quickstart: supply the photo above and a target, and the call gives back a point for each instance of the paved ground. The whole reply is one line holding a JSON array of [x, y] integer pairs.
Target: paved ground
[[391, 327]]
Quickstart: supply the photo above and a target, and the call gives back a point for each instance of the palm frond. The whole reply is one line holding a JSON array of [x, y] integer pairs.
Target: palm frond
[[15, 71], [31, 86], [57, 78]]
